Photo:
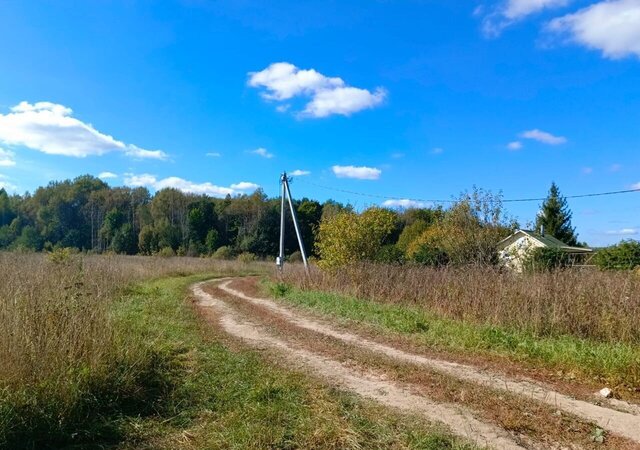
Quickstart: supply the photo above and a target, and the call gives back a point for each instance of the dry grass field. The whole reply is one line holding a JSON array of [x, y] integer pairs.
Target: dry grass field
[[592, 304]]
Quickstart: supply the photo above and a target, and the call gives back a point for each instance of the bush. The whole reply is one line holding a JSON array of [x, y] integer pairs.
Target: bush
[[166, 252], [223, 252], [623, 256], [546, 259], [390, 254], [246, 257], [431, 256], [295, 257]]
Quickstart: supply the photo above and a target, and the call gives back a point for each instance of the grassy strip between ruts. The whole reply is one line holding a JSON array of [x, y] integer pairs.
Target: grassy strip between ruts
[[191, 391], [618, 364]]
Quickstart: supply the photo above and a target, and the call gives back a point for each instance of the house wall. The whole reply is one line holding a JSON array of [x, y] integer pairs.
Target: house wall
[[514, 254]]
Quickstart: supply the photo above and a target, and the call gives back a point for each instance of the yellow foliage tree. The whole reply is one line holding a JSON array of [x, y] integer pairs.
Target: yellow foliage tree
[[349, 237]]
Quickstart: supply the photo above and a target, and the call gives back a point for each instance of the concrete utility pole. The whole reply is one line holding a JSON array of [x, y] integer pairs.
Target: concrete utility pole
[[286, 192]]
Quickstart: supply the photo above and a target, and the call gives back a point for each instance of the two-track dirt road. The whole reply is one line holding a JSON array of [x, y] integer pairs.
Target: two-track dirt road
[[489, 409]]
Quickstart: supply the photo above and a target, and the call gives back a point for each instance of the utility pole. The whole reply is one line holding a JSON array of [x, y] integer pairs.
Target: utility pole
[[286, 192]]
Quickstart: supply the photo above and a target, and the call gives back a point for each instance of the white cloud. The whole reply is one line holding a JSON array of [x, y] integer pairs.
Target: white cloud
[[360, 173], [300, 173], [437, 151], [511, 11], [611, 26], [6, 158], [517, 9], [397, 155], [636, 186], [544, 137], [152, 182], [343, 100], [587, 170], [615, 167], [624, 232], [214, 154], [50, 128], [515, 145], [244, 186], [262, 152], [140, 153], [106, 175], [328, 95], [6, 185], [404, 203]]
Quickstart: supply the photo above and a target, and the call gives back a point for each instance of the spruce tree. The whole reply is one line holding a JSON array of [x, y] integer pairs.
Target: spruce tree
[[556, 217]]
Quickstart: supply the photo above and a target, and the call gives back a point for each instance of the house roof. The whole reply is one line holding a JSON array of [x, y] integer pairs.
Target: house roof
[[547, 240]]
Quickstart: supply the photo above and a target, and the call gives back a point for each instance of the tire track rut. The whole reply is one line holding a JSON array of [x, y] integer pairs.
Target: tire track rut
[[458, 419], [626, 423]]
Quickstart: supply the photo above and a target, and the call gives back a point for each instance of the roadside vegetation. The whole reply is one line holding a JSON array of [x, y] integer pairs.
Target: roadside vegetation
[[107, 351], [583, 323]]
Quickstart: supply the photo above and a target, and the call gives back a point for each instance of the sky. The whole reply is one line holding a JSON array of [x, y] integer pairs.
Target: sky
[[404, 101]]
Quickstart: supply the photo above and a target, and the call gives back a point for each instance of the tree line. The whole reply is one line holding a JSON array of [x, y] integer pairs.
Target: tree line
[[87, 214]]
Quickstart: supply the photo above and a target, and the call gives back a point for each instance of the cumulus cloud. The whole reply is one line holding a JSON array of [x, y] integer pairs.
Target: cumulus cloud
[[511, 11], [300, 173], [283, 81], [360, 173], [611, 26], [244, 186], [189, 187], [6, 158], [437, 151], [262, 152], [544, 137], [515, 145], [50, 128], [624, 232], [636, 186], [404, 203], [106, 175], [214, 154], [343, 100]]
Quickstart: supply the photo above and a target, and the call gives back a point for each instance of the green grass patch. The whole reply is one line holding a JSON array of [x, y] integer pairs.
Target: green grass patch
[[172, 384], [607, 362]]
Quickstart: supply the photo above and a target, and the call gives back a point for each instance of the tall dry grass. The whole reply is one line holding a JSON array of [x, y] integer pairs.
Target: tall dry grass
[[54, 316], [599, 305]]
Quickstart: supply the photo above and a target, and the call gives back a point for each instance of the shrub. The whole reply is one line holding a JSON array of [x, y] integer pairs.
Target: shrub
[[223, 252], [61, 255], [295, 257], [431, 256], [623, 256], [390, 254], [246, 257], [166, 252], [543, 259]]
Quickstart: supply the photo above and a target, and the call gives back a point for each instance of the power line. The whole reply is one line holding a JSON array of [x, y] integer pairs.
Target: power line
[[422, 200]]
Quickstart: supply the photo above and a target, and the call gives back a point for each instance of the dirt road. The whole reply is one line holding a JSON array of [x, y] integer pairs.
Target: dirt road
[[487, 408]]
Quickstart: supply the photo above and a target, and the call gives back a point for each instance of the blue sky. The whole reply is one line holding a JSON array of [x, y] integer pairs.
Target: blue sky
[[406, 99]]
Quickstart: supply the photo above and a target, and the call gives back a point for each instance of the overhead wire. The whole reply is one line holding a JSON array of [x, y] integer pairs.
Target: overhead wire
[[422, 200]]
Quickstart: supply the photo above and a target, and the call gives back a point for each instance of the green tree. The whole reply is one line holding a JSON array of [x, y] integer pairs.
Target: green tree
[[148, 240], [555, 216], [623, 256]]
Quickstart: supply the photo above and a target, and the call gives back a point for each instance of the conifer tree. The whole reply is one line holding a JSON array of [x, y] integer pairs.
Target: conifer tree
[[556, 217]]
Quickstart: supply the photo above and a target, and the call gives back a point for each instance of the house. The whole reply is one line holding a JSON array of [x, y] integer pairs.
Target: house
[[514, 250]]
